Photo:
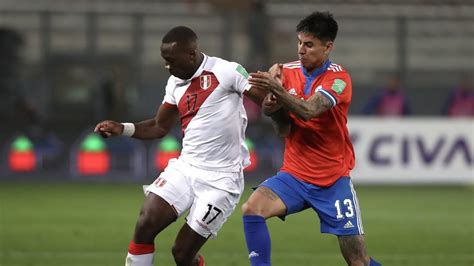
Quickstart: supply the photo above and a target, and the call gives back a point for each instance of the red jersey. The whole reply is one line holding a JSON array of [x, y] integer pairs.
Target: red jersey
[[319, 151]]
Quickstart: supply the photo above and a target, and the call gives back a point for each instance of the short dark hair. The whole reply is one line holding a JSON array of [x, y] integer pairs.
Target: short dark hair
[[321, 25], [180, 34]]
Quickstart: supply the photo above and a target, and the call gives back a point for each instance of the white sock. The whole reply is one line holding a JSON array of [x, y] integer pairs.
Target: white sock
[[139, 260]]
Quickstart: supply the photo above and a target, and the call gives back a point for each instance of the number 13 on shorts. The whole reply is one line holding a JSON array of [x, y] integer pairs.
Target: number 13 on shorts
[[350, 209]]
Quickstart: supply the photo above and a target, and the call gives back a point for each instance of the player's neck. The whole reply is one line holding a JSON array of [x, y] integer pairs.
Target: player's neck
[[318, 68], [198, 62], [195, 67]]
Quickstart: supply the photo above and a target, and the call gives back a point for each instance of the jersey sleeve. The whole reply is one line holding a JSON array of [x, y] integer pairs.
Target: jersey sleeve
[[240, 78], [169, 96], [285, 77], [337, 88]]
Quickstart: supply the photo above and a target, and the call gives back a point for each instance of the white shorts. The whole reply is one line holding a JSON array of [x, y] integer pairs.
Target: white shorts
[[211, 196]]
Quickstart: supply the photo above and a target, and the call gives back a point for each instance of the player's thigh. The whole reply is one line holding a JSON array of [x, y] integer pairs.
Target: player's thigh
[[264, 202], [174, 187], [279, 195], [155, 215], [216, 197], [338, 208]]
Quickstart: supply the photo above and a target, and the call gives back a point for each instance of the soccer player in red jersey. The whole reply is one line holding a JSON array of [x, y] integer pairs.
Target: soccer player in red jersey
[[308, 101]]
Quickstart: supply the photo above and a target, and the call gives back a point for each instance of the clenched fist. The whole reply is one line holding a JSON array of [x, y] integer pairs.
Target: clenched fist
[[270, 104], [109, 128]]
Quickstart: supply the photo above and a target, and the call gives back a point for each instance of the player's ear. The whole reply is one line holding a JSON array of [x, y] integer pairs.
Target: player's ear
[[328, 47]]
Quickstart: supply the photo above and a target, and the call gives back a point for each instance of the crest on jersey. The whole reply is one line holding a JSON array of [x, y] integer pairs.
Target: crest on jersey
[[159, 182], [205, 81]]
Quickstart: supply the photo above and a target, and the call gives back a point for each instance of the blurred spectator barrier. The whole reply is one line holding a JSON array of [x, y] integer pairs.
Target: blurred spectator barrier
[[22, 156], [93, 157], [118, 158], [166, 149], [388, 151], [413, 150]]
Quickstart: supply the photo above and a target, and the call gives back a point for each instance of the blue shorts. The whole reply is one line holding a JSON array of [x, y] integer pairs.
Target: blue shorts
[[337, 205]]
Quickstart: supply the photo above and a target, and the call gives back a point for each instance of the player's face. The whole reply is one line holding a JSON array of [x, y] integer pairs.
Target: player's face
[[178, 60], [312, 52]]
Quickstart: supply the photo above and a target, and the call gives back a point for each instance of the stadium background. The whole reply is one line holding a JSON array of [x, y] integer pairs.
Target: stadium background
[[67, 64]]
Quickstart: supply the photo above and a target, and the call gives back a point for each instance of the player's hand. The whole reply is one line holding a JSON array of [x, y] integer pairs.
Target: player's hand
[[270, 104], [276, 72], [265, 81], [109, 128]]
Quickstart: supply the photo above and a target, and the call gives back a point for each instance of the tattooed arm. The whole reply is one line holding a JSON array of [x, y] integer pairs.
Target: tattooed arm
[[305, 110]]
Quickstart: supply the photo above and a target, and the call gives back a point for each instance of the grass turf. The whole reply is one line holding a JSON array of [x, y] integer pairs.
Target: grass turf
[[79, 224]]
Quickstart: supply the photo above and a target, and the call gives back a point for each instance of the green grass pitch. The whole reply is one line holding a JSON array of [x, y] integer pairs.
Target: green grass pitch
[[78, 224]]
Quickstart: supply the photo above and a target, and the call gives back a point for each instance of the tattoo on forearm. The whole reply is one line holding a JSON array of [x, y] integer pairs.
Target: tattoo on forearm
[[268, 193], [322, 103], [305, 109]]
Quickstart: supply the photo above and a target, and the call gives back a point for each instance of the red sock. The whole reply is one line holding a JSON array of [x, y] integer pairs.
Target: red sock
[[140, 249], [201, 261]]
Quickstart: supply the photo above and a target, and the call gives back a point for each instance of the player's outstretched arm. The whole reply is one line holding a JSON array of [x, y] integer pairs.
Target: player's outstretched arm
[[158, 127], [148, 129]]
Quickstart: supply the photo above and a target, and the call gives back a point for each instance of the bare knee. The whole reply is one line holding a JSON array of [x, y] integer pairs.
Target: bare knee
[[145, 219], [248, 208], [144, 232], [264, 202], [155, 215], [260, 209]]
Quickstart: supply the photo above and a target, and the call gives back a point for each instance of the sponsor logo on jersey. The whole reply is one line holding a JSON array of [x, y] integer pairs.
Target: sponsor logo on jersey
[[205, 82], [338, 86], [335, 67]]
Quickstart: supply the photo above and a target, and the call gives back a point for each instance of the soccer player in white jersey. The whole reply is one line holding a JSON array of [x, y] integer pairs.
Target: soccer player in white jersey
[[206, 94]]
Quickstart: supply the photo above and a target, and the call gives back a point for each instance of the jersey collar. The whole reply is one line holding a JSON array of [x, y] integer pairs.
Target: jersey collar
[[310, 78]]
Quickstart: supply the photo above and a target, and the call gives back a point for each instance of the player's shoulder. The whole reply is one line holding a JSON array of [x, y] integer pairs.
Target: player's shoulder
[[292, 65], [228, 69], [336, 71], [292, 70], [218, 63], [336, 68], [172, 81]]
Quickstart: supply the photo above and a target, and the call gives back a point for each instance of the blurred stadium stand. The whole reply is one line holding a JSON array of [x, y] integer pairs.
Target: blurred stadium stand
[[85, 60]]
